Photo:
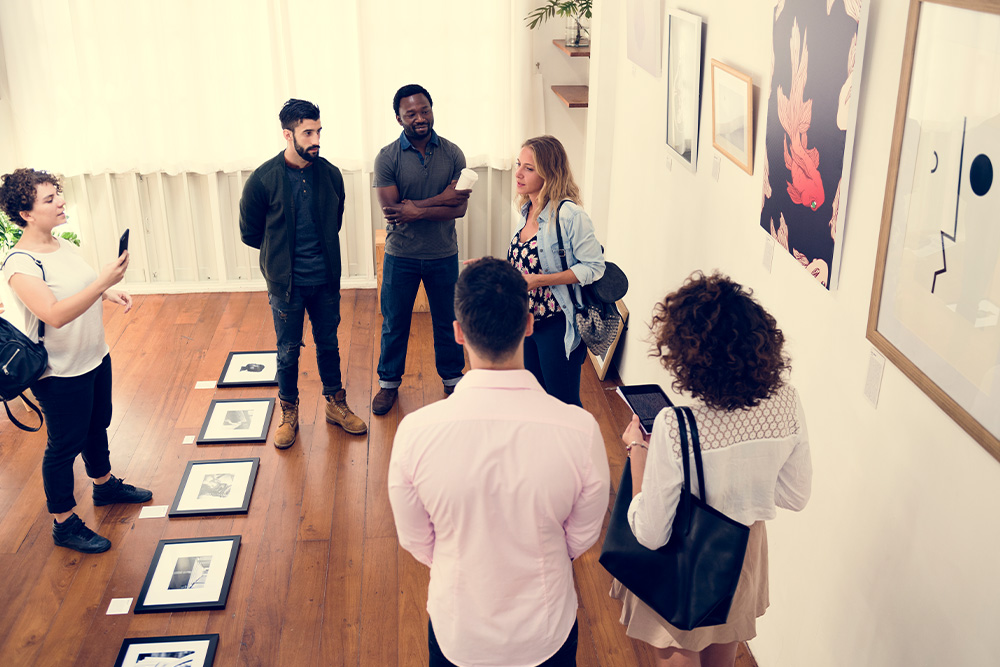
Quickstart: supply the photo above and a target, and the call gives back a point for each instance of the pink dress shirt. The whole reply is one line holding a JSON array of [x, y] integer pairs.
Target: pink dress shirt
[[496, 489]]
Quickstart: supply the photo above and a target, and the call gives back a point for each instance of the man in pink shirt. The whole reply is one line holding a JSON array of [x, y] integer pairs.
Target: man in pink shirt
[[497, 489]]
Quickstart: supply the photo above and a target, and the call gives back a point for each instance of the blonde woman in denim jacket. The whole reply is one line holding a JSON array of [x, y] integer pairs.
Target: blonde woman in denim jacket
[[554, 353]]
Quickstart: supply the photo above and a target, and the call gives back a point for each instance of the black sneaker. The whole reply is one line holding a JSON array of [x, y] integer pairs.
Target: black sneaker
[[74, 534], [116, 491]]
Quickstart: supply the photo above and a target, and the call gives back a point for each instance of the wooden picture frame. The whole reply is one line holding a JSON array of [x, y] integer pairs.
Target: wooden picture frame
[[250, 369], [186, 650], [603, 363], [220, 486], [683, 86], [189, 574], [935, 306], [732, 114], [232, 420]]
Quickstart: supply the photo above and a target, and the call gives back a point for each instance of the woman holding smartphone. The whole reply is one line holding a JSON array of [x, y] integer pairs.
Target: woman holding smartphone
[[54, 287]]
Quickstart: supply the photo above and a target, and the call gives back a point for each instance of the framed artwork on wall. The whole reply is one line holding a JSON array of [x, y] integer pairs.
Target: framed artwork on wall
[[180, 650], [223, 486], [236, 420], [935, 307], [732, 115], [683, 86], [250, 369], [643, 36], [812, 102], [189, 574], [603, 362]]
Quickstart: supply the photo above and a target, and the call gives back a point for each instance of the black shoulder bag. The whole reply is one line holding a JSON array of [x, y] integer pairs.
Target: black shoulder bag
[[597, 318], [22, 362], [691, 580]]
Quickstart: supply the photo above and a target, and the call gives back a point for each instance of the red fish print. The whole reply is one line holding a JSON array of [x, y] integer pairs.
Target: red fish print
[[795, 115]]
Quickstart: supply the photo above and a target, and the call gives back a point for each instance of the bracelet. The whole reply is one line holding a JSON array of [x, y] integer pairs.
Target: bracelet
[[635, 443]]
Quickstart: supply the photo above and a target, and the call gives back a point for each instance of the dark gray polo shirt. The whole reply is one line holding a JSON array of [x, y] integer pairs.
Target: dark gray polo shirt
[[418, 177]]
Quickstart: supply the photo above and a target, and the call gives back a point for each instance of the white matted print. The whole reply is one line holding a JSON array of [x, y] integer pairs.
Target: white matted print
[[189, 574], [223, 486], [237, 420], [732, 114], [645, 25], [177, 651], [683, 86], [250, 369]]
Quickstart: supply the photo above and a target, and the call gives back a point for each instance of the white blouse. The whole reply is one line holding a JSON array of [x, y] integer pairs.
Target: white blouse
[[754, 461]]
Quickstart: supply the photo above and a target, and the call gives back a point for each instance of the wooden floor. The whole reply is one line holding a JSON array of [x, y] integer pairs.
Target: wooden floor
[[320, 578]]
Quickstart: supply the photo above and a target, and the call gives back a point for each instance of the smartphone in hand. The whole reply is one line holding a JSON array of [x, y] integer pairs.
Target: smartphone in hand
[[123, 243]]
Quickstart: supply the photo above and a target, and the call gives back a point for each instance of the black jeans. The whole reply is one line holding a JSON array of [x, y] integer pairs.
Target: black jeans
[[77, 415], [322, 302], [564, 657], [545, 357]]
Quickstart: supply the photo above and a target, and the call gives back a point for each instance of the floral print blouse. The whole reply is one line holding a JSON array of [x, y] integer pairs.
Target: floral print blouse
[[524, 258]]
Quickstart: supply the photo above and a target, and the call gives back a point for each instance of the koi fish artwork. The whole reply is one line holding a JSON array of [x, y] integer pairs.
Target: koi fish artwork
[[781, 233], [795, 115], [819, 269]]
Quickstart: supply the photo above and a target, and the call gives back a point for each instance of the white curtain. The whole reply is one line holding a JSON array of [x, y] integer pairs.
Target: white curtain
[[169, 86]]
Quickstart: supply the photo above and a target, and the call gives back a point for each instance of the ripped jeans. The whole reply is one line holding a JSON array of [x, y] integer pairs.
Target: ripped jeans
[[322, 302]]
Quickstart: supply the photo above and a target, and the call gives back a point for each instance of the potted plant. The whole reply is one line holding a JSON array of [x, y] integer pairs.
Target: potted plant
[[577, 13]]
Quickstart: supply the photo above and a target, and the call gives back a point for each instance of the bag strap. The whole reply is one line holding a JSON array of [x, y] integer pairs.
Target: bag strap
[[41, 325], [696, 446], [27, 401], [684, 426], [562, 255]]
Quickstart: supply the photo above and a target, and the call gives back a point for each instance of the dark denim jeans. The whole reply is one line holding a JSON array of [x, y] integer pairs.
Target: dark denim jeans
[[322, 302], [564, 657], [401, 278], [77, 415], [545, 357]]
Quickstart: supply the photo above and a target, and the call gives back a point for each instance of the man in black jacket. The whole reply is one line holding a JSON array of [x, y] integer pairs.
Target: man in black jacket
[[292, 209]]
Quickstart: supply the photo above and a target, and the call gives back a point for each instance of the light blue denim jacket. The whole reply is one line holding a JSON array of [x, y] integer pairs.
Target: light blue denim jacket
[[583, 256]]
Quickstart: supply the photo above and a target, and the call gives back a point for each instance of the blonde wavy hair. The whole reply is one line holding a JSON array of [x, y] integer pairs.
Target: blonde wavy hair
[[552, 166]]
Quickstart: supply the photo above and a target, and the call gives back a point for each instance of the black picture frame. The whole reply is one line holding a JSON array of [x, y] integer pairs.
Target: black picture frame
[[242, 367], [130, 653], [218, 486], [236, 420], [189, 574]]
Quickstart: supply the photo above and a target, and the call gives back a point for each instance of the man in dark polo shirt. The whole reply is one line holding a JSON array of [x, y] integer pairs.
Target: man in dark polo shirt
[[292, 209], [415, 180]]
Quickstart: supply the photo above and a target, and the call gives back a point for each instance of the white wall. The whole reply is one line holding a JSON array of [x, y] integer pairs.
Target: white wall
[[894, 560]]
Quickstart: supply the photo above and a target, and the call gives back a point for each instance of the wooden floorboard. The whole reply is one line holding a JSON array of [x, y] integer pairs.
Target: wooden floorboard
[[320, 578]]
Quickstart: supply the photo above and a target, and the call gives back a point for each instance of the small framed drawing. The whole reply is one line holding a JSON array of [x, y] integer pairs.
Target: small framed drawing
[[603, 363], [236, 420], [250, 369], [177, 651], [732, 115], [189, 574], [683, 86], [223, 486]]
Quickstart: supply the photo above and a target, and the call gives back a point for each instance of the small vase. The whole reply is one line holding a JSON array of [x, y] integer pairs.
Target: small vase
[[577, 31]]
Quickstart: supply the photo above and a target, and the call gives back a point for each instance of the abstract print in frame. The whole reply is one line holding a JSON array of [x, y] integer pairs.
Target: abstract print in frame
[[816, 57]]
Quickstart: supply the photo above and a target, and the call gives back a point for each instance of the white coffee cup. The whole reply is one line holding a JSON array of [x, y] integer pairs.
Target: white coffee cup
[[466, 179]]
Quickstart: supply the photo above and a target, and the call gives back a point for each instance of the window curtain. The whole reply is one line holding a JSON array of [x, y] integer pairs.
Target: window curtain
[[171, 86]]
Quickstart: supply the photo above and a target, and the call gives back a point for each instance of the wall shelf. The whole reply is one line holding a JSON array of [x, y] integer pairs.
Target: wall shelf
[[575, 97], [572, 51]]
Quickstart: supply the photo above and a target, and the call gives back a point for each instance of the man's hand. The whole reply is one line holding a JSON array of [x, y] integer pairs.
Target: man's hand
[[405, 211], [452, 197]]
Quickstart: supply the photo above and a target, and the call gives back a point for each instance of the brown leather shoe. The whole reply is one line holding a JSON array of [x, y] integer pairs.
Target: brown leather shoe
[[384, 400], [338, 412], [285, 435]]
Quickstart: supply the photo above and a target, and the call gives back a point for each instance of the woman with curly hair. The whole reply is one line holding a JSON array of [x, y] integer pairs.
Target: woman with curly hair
[[54, 287], [725, 350], [546, 192]]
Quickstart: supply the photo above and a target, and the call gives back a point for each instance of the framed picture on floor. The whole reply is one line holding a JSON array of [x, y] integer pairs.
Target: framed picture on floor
[[178, 651], [236, 420], [189, 574], [250, 369], [223, 486], [683, 86], [732, 115], [603, 362]]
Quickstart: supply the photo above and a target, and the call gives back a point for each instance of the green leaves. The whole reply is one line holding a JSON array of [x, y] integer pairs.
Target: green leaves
[[552, 8], [11, 234]]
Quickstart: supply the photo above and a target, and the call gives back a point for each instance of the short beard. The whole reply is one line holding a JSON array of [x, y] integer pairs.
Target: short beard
[[303, 153]]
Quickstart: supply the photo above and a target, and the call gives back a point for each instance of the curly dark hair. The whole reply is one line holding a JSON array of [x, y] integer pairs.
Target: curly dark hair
[[719, 343], [18, 191]]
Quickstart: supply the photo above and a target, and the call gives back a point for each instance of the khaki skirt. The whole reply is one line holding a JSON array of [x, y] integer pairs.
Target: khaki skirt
[[749, 603]]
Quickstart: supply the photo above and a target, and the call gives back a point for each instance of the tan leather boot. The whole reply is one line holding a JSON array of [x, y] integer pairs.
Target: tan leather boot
[[285, 436], [338, 412]]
